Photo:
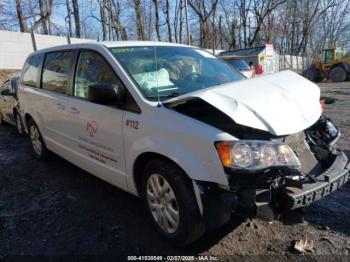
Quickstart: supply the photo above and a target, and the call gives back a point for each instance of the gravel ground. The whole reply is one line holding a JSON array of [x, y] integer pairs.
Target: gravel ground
[[54, 209]]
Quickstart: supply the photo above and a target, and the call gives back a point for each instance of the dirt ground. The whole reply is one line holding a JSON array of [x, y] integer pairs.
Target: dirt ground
[[56, 210]]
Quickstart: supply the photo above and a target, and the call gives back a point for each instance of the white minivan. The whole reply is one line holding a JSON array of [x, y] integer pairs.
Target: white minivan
[[178, 127]]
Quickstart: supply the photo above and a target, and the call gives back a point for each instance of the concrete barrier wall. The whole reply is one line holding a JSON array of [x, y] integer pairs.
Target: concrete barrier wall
[[16, 46]]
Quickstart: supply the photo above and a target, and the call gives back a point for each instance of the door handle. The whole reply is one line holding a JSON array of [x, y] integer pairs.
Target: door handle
[[59, 106], [73, 110]]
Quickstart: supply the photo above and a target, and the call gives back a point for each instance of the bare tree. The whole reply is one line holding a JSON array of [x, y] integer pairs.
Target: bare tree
[[204, 13], [244, 9], [120, 29], [69, 18], [139, 22], [21, 20], [298, 27], [178, 20], [102, 6], [304, 28], [156, 12], [261, 9], [76, 18], [45, 13], [228, 25], [166, 11]]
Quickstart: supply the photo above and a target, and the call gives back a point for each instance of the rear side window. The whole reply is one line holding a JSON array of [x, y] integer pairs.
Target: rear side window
[[56, 70], [92, 69], [31, 70]]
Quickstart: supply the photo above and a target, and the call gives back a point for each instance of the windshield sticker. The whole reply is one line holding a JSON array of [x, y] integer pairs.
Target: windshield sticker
[[121, 50]]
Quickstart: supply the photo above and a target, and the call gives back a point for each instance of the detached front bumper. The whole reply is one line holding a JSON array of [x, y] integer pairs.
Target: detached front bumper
[[329, 181]]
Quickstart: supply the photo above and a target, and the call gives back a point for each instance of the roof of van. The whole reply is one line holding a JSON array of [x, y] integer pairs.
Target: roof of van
[[138, 43], [109, 44]]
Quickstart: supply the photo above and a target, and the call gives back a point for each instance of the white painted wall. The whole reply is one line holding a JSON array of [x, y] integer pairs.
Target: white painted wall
[[298, 63], [16, 46]]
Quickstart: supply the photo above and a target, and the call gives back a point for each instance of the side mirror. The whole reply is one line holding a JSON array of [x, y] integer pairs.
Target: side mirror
[[106, 94], [7, 92]]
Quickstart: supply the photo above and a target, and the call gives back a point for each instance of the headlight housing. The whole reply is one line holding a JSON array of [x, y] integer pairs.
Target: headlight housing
[[256, 155]]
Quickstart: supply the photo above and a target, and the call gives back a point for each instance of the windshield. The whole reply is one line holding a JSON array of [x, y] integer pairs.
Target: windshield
[[239, 64], [173, 71]]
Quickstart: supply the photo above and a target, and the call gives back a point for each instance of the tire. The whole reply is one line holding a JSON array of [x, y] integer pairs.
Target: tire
[[19, 125], [312, 74], [338, 74], [38, 144], [1, 121], [178, 197]]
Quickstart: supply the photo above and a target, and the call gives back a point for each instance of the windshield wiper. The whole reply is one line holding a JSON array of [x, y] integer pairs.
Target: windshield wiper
[[174, 94]]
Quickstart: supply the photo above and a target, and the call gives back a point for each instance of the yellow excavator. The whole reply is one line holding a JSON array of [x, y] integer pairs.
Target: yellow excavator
[[334, 65]]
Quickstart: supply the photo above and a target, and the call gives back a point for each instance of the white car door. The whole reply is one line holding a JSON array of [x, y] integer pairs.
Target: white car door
[[51, 108], [95, 130]]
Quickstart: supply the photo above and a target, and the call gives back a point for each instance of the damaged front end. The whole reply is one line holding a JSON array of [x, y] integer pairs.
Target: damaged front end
[[324, 169], [283, 156], [275, 191]]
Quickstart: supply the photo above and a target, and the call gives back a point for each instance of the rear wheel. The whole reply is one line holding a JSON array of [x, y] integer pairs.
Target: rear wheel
[[38, 144], [170, 202], [338, 74]]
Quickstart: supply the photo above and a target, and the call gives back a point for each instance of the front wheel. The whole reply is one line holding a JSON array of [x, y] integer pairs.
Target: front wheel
[[313, 74], [38, 144], [170, 202], [19, 125]]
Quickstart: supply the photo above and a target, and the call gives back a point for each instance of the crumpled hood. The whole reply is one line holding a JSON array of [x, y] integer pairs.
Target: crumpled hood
[[283, 103]]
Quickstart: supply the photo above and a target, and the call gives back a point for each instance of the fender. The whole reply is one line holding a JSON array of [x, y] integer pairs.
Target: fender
[[28, 110], [36, 118], [193, 163]]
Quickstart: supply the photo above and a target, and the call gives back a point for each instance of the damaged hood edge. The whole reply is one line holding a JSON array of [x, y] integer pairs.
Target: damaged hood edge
[[281, 104]]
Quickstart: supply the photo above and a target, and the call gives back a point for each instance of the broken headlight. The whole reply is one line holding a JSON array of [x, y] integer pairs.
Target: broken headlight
[[256, 155], [323, 132]]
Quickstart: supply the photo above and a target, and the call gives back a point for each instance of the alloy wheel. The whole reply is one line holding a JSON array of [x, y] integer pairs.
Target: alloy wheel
[[35, 138], [162, 203]]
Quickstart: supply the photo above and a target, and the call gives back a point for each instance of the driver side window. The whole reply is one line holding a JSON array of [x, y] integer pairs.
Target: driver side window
[[92, 69]]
